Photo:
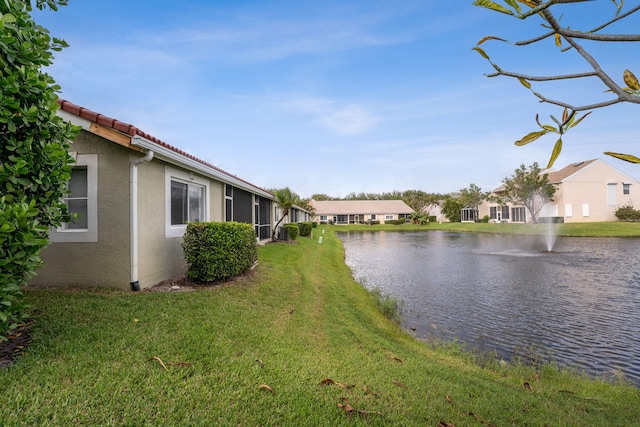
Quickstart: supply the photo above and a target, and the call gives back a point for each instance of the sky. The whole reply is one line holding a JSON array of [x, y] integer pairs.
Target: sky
[[341, 96]]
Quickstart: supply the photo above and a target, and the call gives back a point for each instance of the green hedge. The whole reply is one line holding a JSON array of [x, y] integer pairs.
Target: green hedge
[[627, 213], [219, 250], [396, 221], [305, 229], [292, 230]]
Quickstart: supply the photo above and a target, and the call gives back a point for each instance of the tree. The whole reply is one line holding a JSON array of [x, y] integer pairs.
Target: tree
[[574, 38], [528, 187], [472, 196], [35, 163], [286, 199], [418, 200], [452, 207]]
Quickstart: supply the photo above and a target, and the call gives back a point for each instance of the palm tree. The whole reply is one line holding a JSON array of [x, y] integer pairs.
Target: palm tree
[[285, 198]]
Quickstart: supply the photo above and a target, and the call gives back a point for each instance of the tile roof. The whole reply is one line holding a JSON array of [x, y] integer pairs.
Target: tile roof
[[132, 130], [555, 177], [567, 171], [356, 207]]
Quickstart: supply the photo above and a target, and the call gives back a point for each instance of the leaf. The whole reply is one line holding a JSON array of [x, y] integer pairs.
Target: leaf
[[579, 120], [448, 399], [484, 39], [157, 359], [558, 40], [524, 83], [626, 157], [530, 138], [631, 80], [528, 386], [265, 387], [555, 153], [443, 424], [260, 362], [481, 52], [399, 384], [565, 115], [529, 3], [488, 4], [329, 381]]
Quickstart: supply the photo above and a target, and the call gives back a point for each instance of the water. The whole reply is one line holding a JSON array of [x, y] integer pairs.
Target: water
[[578, 306]]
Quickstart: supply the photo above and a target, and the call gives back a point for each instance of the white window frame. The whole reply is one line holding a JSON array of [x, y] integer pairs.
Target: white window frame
[[626, 188], [568, 210], [388, 217], [89, 234], [611, 194], [185, 177], [585, 210]]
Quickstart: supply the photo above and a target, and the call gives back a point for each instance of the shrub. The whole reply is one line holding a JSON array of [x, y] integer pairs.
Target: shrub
[[305, 229], [485, 219], [627, 213], [551, 220], [292, 230], [432, 218], [35, 164], [395, 221], [219, 250], [314, 224]]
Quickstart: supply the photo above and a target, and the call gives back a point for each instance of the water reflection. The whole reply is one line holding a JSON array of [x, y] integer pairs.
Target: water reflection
[[579, 304]]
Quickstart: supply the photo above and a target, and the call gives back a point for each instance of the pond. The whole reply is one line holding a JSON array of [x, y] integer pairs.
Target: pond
[[578, 305]]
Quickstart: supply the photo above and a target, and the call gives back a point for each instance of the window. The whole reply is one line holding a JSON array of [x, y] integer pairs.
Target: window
[[323, 217], [626, 188], [82, 203], [373, 216], [585, 209], [239, 205], [568, 210], [388, 217], [611, 194], [518, 214], [186, 201]]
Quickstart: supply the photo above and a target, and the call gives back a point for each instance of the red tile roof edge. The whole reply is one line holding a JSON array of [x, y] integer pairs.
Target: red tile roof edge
[[132, 130]]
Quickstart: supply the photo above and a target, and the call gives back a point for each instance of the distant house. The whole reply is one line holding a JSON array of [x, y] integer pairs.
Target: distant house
[[359, 211], [588, 191], [133, 195]]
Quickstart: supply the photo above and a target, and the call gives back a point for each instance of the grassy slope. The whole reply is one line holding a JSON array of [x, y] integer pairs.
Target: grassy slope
[[300, 320]]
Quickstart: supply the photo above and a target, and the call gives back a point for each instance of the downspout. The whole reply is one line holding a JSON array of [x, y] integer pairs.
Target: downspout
[[133, 219]]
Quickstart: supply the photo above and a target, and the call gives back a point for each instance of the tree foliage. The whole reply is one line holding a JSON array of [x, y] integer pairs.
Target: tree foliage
[[621, 86], [286, 199], [528, 187], [35, 162], [472, 196], [452, 208]]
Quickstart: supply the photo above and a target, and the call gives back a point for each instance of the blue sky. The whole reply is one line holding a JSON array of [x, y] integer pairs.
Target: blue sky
[[338, 96]]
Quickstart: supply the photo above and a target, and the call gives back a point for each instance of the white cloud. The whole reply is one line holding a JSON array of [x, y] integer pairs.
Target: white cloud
[[345, 119]]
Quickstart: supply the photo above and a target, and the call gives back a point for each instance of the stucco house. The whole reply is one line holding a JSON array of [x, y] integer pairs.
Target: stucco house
[[587, 191], [134, 195], [359, 211]]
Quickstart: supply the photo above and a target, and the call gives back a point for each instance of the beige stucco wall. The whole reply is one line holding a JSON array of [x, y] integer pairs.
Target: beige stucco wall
[[105, 263], [161, 257]]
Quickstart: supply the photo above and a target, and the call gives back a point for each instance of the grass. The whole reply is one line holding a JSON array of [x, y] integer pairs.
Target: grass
[[298, 343], [586, 229]]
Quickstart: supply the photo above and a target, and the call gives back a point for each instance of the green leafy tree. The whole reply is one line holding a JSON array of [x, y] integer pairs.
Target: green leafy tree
[[35, 163], [418, 200], [452, 207], [286, 199], [473, 196], [528, 187], [622, 87]]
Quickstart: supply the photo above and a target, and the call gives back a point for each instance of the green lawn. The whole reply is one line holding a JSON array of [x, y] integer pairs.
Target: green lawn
[[591, 229], [297, 344]]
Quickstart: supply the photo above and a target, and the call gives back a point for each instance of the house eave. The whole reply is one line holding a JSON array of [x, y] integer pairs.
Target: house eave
[[177, 159]]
